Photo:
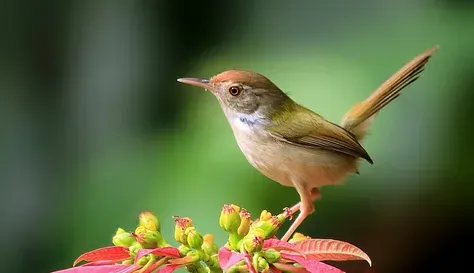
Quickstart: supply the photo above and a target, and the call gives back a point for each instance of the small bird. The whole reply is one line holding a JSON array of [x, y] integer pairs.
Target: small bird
[[293, 145]]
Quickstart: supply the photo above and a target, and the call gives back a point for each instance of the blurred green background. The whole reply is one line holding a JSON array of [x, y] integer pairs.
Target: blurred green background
[[95, 128]]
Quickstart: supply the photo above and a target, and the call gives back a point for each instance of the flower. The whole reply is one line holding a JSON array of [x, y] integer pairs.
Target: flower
[[269, 226], [181, 224], [271, 255], [245, 222], [194, 239], [252, 247], [265, 215], [123, 238], [253, 241], [298, 237], [208, 246], [149, 221], [230, 218]]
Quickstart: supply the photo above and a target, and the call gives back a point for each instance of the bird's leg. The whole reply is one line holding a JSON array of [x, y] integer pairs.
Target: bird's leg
[[315, 194], [305, 206]]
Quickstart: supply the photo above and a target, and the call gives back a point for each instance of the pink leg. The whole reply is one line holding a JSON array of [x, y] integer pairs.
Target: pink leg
[[305, 206]]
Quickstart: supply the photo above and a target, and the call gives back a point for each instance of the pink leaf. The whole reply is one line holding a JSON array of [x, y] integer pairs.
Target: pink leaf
[[183, 260], [154, 266], [164, 251], [130, 269], [96, 269], [280, 245], [169, 268], [331, 250], [228, 258], [105, 253], [311, 265], [274, 269], [289, 268], [249, 264]]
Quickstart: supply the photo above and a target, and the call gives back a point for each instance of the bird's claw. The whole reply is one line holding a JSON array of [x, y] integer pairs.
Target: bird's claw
[[288, 213]]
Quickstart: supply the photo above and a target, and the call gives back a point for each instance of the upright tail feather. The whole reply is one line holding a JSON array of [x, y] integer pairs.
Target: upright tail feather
[[359, 118]]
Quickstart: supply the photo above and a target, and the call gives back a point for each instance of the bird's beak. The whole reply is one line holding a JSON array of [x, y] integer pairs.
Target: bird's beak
[[204, 83]]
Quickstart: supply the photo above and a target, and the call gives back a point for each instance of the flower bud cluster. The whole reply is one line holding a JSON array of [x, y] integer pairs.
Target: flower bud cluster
[[248, 236], [194, 246], [145, 249], [146, 235]]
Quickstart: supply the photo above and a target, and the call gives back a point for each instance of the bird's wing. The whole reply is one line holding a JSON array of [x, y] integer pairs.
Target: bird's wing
[[307, 129]]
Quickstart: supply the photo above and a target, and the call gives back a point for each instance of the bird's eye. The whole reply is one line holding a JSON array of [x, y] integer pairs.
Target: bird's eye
[[235, 90]]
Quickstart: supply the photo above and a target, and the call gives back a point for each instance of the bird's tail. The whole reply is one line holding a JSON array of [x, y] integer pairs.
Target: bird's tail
[[359, 118]]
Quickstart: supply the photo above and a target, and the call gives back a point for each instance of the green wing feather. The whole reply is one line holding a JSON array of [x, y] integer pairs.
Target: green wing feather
[[302, 127]]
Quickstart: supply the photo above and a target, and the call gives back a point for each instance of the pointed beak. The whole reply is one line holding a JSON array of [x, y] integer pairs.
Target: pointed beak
[[204, 83]]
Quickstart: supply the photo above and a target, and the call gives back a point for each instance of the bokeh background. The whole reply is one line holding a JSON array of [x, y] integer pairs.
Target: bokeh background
[[95, 128]]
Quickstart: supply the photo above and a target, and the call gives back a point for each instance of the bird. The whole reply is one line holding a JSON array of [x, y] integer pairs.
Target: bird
[[293, 145]]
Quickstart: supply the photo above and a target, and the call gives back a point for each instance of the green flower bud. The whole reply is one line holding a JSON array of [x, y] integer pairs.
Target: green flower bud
[[181, 224], [193, 262], [271, 255], [298, 237], [120, 231], [234, 242], [143, 260], [183, 250], [194, 239], [195, 256], [245, 222], [265, 215], [128, 261], [149, 221], [123, 238], [238, 267], [134, 248], [140, 230], [150, 239], [270, 226], [230, 218], [287, 213], [208, 245], [214, 261], [262, 264], [253, 241]]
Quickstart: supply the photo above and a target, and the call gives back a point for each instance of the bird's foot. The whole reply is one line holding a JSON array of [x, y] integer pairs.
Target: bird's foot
[[288, 213]]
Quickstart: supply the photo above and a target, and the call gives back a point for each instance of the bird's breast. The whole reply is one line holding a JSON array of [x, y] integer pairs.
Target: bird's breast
[[286, 163]]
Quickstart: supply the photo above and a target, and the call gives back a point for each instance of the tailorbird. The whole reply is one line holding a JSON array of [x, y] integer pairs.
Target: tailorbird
[[293, 145]]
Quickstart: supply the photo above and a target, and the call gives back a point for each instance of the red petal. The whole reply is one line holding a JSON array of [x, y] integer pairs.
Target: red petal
[[103, 262], [169, 268], [163, 251], [331, 250], [280, 245], [228, 258], [312, 266], [105, 253], [97, 269]]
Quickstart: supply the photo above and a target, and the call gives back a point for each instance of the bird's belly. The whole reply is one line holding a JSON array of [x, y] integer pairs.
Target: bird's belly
[[288, 164]]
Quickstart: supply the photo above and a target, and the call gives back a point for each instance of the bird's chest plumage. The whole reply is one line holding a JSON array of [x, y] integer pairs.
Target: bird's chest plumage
[[260, 149], [285, 163]]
